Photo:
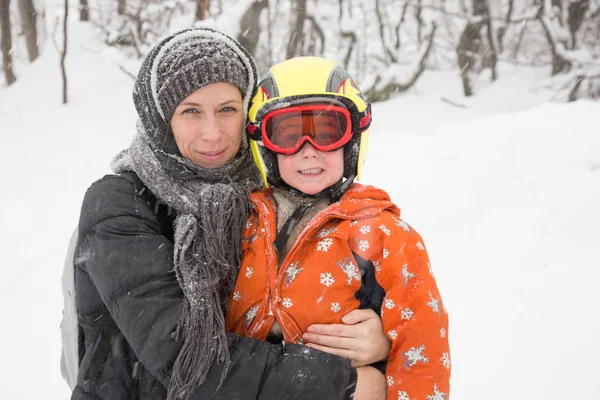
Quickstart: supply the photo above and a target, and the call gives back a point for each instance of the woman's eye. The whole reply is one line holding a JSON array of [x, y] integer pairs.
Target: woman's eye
[[189, 111], [228, 109]]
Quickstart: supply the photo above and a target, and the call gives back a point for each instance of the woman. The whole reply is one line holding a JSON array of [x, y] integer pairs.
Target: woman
[[159, 246]]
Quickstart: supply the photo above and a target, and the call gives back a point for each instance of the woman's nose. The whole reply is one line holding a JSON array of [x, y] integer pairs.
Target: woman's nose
[[209, 129]]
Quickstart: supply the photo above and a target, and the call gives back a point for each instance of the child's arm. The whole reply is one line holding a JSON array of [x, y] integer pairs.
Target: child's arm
[[360, 338], [412, 313]]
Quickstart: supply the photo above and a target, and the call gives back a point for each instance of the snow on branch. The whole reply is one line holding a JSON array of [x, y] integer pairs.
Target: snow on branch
[[398, 78]]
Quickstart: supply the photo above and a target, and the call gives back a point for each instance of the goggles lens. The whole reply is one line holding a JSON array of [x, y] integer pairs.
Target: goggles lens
[[325, 127]]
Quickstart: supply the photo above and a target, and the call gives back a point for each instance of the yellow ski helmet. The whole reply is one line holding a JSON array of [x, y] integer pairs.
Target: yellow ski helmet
[[303, 81]]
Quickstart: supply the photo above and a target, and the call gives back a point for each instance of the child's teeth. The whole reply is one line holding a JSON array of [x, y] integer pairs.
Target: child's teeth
[[311, 171]]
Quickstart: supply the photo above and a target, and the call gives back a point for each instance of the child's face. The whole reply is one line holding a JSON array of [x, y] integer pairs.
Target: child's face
[[309, 170]]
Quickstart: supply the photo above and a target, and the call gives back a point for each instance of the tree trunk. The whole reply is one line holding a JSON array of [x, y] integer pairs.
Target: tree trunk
[[250, 26], [352, 36], [84, 10], [29, 24], [491, 54], [502, 29], [121, 7], [468, 44], [6, 41], [63, 54], [390, 54], [577, 11], [559, 63], [297, 33], [201, 8], [419, 19]]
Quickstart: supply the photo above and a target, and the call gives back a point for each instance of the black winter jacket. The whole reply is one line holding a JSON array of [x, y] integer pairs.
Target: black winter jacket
[[129, 302]]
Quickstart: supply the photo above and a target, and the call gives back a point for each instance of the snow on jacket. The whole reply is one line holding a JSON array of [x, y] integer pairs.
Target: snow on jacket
[[129, 302], [321, 277]]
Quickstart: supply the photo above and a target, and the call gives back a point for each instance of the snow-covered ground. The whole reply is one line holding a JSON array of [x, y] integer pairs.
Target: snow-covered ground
[[505, 193]]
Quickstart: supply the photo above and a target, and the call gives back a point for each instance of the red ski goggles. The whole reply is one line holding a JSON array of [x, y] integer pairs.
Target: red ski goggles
[[325, 127]]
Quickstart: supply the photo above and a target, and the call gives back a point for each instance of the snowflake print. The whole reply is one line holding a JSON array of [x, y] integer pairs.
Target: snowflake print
[[437, 395], [385, 253], [365, 229], [393, 334], [248, 225], [385, 229], [420, 246], [413, 356], [363, 245], [377, 266], [353, 223], [390, 380], [446, 360], [291, 272], [406, 313], [350, 269], [442, 333], [325, 232], [249, 272], [324, 244], [327, 279], [389, 303], [402, 224], [406, 273], [402, 395], [250, 315], [434, 304], [237, 296], [287, 302], [335, 307]]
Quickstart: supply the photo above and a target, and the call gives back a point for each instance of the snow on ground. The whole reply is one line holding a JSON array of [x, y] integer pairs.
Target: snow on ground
[[505, 193]]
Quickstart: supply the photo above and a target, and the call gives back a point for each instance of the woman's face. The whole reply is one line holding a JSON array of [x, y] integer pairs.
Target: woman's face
[[208, 125]]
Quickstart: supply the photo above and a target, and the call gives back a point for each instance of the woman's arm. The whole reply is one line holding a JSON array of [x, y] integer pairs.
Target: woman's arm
[[130, 263]]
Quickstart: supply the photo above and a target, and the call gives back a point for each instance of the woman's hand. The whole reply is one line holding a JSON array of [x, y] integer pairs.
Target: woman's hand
[[360, 338]]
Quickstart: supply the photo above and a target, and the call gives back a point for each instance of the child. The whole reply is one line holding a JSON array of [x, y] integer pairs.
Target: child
[[318, 245]]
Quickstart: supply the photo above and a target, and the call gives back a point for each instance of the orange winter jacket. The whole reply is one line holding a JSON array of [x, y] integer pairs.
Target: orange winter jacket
[[319, 278]]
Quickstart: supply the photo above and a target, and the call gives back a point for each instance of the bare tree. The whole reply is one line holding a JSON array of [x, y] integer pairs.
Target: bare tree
[[29, 25], [419, 18], [297, 32], [6, 41], [577, 11], [470, 49], [502, 29], [559, 62], [250, 25], [84, 10], [121, 6], [201, 9], [389, 52], [316, 34], [63, 54], [382, 92]]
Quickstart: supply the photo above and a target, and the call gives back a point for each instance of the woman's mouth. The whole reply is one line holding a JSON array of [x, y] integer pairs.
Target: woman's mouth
[[212, 155]]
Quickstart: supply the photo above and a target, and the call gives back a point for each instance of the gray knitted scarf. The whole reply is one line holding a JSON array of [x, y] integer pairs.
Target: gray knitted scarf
[[212, 207]]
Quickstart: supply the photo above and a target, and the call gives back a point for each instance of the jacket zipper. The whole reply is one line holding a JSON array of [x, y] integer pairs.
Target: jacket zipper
[[137, 374]]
